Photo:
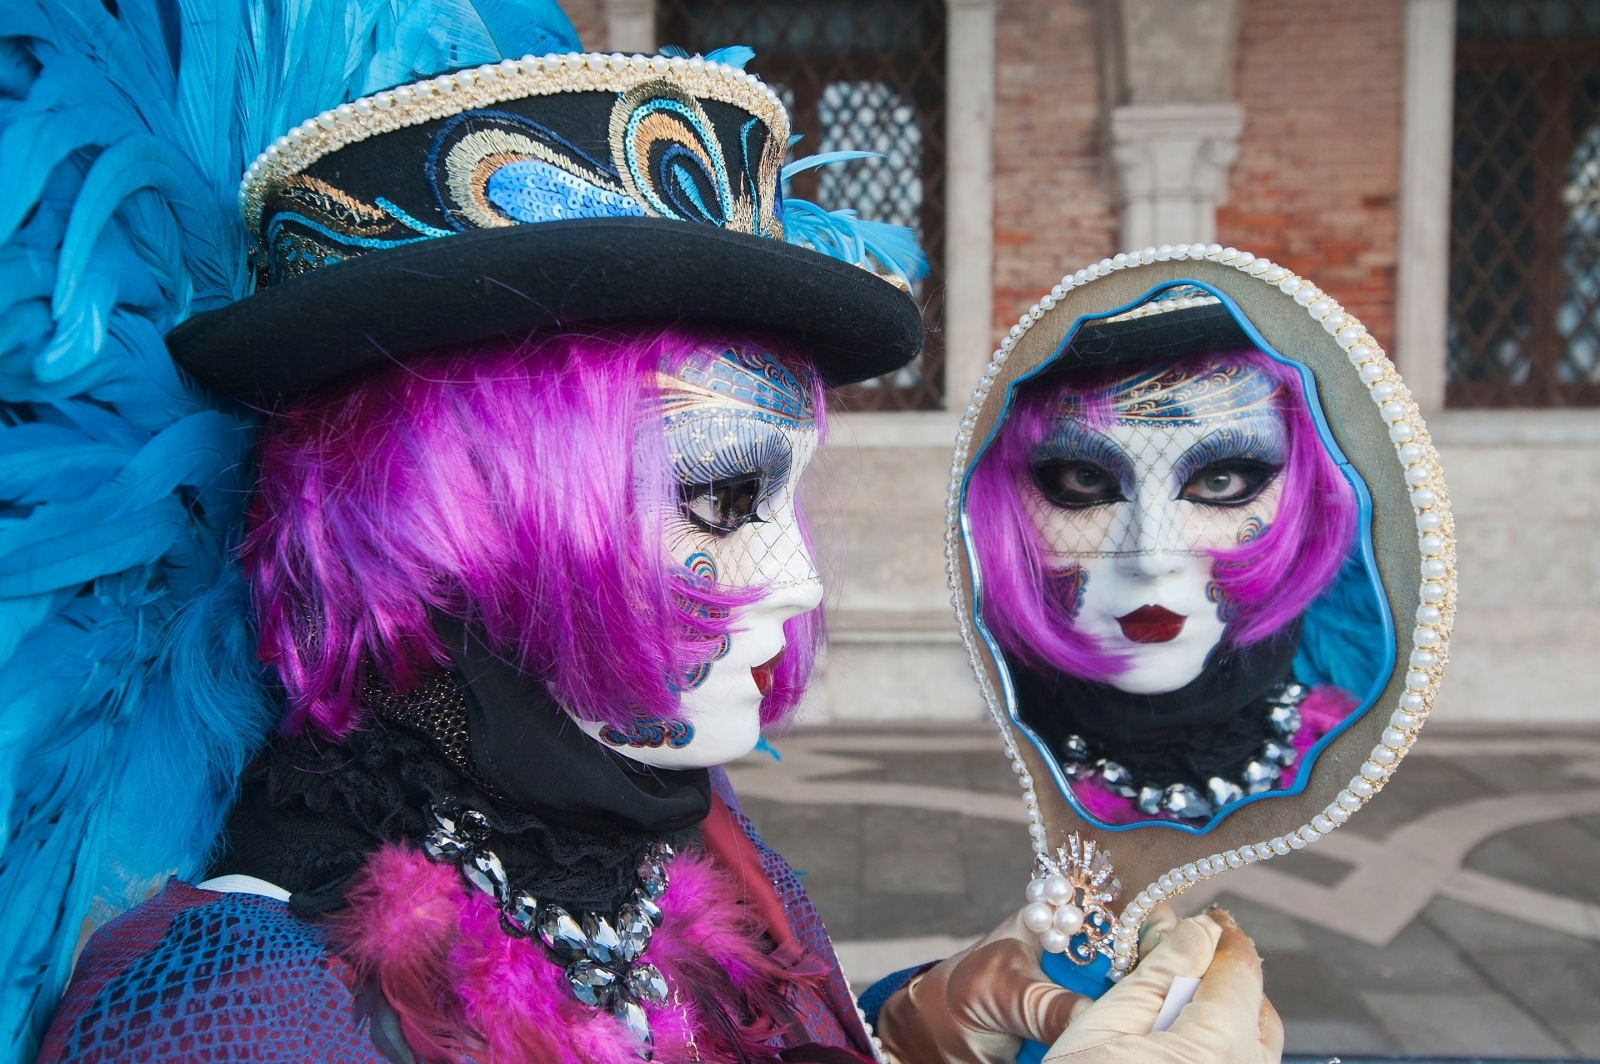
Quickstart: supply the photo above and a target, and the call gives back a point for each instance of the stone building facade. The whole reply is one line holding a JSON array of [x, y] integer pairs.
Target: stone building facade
[[1318, 136]]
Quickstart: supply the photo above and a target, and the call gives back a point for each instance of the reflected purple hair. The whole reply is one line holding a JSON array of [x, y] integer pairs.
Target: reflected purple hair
[[506, 486], [1269, 580]]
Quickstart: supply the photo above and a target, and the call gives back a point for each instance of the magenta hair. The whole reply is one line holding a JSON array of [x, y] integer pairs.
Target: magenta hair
[[1269, 581], [516, 487]]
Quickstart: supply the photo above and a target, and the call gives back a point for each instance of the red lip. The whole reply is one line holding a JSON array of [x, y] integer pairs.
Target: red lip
[[1151, 624], [763, 672]]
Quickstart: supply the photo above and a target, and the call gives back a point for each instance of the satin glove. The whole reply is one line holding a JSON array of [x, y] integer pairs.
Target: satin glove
[[977, 1006], [1229, 1021]]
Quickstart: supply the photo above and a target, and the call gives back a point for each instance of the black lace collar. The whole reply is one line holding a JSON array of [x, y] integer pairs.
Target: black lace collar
[[571, 819]]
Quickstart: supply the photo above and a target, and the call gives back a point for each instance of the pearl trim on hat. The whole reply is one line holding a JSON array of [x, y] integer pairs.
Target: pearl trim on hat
[[1436, 595]]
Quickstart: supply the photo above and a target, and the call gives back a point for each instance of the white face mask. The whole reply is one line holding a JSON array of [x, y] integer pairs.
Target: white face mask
[[1130, 513], [740, 430]]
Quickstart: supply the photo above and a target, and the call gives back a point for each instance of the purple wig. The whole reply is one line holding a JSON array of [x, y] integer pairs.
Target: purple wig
[[516, 487], [1267, 581]]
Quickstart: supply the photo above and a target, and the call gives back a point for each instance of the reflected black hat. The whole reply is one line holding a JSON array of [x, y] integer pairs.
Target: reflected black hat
[[528, 194], [1177, 323]]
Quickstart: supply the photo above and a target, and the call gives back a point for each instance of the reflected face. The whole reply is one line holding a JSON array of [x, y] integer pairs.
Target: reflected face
[[740, 429], [1132, 491]]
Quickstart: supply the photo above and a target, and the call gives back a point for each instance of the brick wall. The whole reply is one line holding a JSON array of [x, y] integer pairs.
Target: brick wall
[[589, 19], [1316, 185], [1054, 208]]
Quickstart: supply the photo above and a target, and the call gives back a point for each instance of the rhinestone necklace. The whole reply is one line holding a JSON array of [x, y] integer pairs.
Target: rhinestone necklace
[[599, 952], [1182, 801]]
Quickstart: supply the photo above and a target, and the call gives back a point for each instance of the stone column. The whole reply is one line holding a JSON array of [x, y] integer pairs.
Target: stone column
[[969, 196], [1172, 169], [631, 26], [1172, 126], [1423, 274]]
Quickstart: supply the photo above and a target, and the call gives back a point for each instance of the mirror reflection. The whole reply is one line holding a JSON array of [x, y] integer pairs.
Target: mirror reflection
[[1170, 564]]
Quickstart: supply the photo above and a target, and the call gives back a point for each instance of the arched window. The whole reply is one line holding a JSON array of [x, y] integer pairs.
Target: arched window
[[863, 75]]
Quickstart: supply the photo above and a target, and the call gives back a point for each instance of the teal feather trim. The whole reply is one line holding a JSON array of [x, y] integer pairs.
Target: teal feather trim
[[843, 235], [134, 697]]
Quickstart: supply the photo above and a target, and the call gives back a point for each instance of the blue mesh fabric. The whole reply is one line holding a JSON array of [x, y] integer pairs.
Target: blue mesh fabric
[[826, 1010], [191, 975]]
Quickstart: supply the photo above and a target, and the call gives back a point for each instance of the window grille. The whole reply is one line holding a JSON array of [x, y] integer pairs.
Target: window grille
[[864, 75], [1525, 205]]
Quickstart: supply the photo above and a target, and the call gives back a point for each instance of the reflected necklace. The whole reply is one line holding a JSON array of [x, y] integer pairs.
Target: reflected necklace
[[599, 952], [1081, 759]]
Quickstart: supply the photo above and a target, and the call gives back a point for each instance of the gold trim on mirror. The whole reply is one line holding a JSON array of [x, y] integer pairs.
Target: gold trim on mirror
[[1435, 611]]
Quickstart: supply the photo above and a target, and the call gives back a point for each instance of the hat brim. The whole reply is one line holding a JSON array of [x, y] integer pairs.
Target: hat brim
[[1174, 334], [289, 339]]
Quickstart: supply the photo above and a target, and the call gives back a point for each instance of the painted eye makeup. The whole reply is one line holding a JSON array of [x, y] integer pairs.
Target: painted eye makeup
[[723, 507], [1229, 482], [1075, 484]]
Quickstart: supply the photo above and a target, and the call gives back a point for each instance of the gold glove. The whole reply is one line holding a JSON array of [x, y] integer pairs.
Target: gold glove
[[977, 1006], [1230, 1020]]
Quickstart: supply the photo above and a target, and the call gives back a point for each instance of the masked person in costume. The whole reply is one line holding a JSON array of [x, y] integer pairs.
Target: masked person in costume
[[1160, 540], [375, 668]]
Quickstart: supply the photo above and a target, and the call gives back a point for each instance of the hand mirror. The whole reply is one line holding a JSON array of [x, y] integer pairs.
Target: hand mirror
[[1204, 566]]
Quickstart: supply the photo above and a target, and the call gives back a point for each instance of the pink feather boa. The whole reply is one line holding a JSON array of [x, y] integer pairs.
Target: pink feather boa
[[463, 987]]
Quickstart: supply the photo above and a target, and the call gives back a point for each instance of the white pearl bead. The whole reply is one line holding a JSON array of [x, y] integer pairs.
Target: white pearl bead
[[1081, 277], [445, 83], [1359, 354], [1431, 545], [1164, 252], [1417, 680], [1276, 274], [1215, 250], [1037, 917], [1047, 302], [1036, 831], [1105, 266], [1337, 812], [1245, 259], [1349, 802], [1035, 891], [1290, 285], [1069, 919], [1232, 856], [1191, 871], [1296, 840], [1264, 851], [1120, 260], [1203, 866], [1402, 720], [1393, 739], [405, 94], [1057, 292], [1319, 308], [1382, 392], [1347, 337], [1180, 251], [1429, 522], [1143, 900], [363, 107], [1280, 846], [1432, 592], [1148, 255], [1423, 659], [1429, 615], [1414, 702], [1392, 412], [1165, 882], [1057, 891], [1418, 475], [1054, 941], [1360, 787], [1373, 772], [1371, 373], [1401, 433], [1422, 498]]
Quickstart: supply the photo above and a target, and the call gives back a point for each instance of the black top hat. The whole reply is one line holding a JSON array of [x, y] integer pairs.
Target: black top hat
[[527, 194], [1176, 324]]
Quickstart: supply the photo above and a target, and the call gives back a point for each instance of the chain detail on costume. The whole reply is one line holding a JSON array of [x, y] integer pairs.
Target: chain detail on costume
[[1081, 759], [599, 953]]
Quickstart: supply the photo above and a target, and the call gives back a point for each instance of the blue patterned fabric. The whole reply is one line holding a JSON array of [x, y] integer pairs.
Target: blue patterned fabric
[[192, 975]]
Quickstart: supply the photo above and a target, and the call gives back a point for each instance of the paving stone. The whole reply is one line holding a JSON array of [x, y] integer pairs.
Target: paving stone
[[1462, 1025], [1323, 1038], [1459, 981]]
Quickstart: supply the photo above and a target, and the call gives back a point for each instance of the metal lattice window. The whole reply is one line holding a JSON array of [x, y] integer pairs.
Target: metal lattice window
[[862, 75], [1525, 205]]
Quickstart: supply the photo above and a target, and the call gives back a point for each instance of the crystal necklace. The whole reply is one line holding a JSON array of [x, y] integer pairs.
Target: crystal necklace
[[599, 952], [1079, 760]]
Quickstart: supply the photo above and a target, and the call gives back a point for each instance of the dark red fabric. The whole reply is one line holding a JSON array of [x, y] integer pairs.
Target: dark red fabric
[[811, 1053], [733, 851]]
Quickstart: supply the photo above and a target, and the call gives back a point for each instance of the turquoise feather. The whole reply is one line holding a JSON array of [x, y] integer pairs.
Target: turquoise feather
[[133, 693]]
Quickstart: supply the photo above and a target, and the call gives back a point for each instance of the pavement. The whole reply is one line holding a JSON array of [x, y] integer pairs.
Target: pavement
[[1457, 916]]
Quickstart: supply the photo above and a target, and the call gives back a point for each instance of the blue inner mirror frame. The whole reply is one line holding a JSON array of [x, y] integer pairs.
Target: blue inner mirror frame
[[1362, 557]]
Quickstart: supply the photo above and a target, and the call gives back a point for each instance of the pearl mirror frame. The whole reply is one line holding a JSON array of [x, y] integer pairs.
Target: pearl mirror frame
[[1118, 876]]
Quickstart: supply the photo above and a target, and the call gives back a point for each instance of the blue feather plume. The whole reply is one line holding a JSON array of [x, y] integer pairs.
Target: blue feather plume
[[133, 694], [842, 234]]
